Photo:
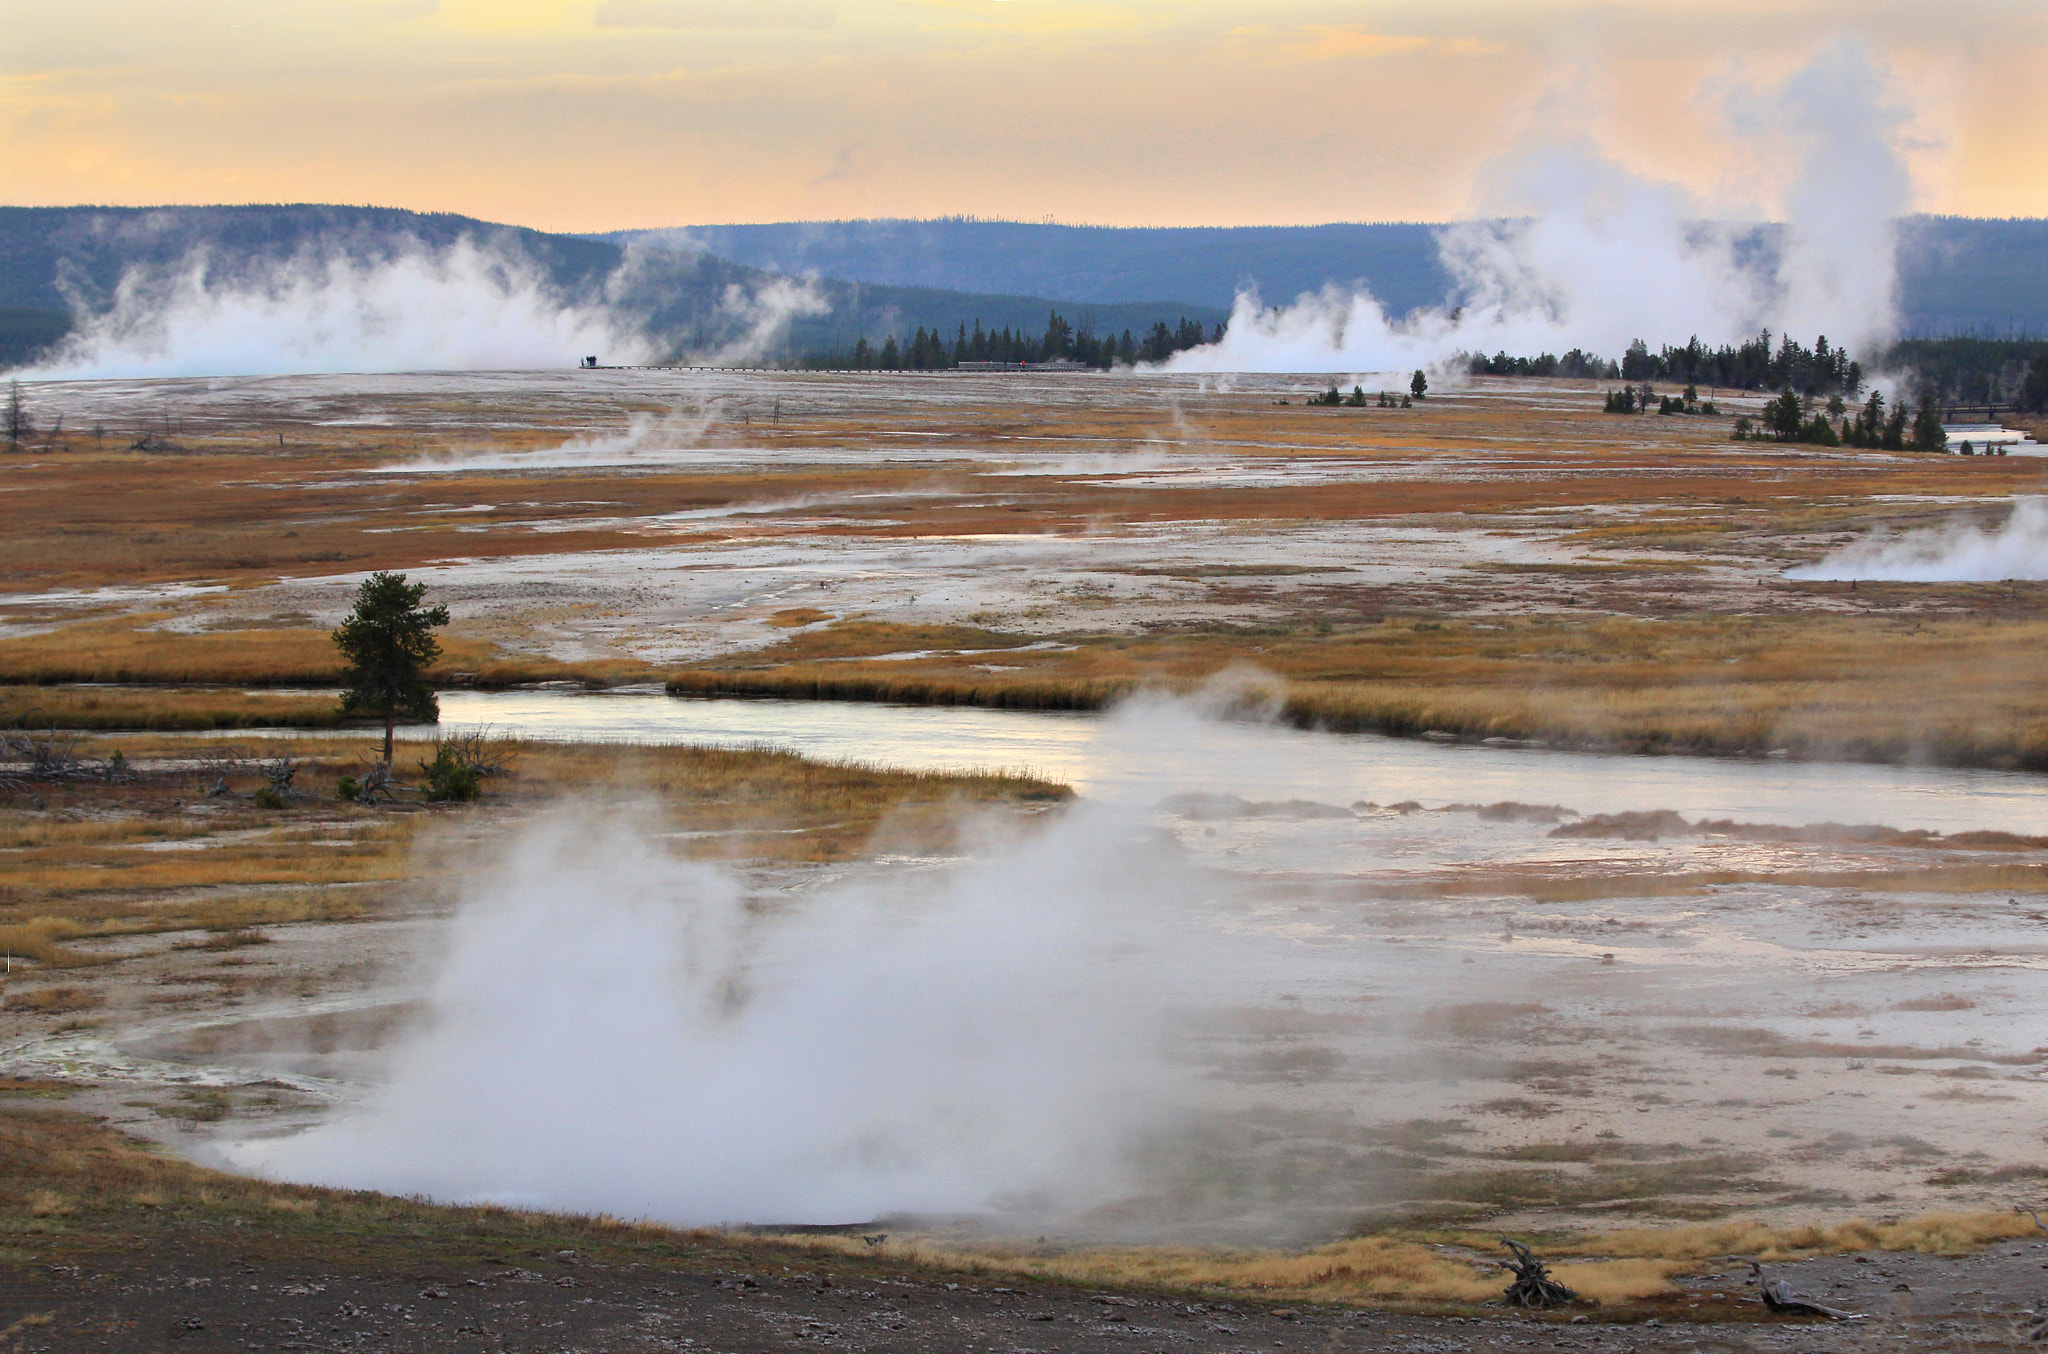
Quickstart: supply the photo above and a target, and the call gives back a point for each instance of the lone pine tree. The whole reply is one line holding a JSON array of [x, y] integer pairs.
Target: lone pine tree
[[389, 643]]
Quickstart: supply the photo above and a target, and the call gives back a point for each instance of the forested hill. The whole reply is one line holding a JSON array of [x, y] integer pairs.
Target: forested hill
[[891, 278], [1202, 265], [53, 256], [1969, 275], [1957, 274], [46, 250]]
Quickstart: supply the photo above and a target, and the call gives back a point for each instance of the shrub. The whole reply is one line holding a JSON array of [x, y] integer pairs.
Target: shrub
[[348, 788], [449, 781], [267, 798]]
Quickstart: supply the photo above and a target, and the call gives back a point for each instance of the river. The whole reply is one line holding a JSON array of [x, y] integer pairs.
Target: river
[[1146, 750]]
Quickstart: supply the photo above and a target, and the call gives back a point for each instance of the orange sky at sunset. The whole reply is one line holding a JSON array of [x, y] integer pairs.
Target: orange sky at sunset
[[602, 114]]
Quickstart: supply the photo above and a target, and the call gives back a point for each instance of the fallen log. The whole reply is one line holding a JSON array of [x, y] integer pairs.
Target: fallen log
[[1780, 1297]]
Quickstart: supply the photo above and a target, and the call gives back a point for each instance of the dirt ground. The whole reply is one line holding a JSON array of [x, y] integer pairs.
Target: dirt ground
[[227, 1295]]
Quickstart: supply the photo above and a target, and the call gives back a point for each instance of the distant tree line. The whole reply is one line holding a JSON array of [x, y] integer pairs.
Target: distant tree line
[[1576, 363], [1970, 370], [929, 350], [1755, 365], [1959, 370]]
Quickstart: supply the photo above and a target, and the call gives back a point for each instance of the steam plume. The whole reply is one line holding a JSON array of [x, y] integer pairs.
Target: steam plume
[[1579, 252], [613, 1029], [1958, 552], [464, 307], [761, 318], [647, 440]]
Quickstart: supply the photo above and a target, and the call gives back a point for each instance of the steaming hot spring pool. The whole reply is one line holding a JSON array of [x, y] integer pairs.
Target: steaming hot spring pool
[[1256, 985]]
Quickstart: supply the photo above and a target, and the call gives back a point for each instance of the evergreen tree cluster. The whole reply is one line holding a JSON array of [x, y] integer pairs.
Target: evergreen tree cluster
[[1331, 399], [929, 350], [1576, 363], [1791, 418], [1635, 399], [1755, 365]]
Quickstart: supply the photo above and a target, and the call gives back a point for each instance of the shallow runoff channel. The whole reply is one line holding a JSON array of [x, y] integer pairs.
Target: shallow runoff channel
[[1147, 749]]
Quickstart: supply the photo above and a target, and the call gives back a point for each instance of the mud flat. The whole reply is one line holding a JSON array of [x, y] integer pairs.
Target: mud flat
[[1504, 560], [1431, 1003]]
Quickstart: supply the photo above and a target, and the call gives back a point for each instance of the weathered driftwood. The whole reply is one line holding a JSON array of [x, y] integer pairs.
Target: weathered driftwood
[[280, 773], [49, 756], [375, 785], [1533, 1286], [1779, 1297]]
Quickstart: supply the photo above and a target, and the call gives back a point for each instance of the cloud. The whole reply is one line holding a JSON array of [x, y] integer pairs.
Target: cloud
[[714, 14]]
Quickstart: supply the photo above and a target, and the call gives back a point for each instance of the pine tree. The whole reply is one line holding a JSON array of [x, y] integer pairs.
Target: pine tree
[[2034, 389], [1784, 415], [389, 643], [1895, 430], [20, 427], [1928, 434]]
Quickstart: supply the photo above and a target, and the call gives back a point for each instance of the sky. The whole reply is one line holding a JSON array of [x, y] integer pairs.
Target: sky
[[610, 114]]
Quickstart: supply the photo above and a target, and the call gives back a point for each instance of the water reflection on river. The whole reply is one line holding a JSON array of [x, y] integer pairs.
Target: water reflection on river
[[1149, 751]]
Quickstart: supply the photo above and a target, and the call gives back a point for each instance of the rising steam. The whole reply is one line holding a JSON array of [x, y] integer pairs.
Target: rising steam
[[615, 1029], [462, 307], [1580, 252], [645, 440], [760, 319], [1957, 552]]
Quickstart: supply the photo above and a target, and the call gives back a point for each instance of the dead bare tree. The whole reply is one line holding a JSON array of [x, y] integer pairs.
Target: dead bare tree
[[1533, 1286], [19, 427], [51, 754], [215, 767], [475, 750]]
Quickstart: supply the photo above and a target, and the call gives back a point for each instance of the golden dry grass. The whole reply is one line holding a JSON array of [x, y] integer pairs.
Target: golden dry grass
[[41, 941], [52, 1000], [35, 707], [157, 855], [1931, 1233], [1856, 688], [130, 649], [1617, 1267]]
